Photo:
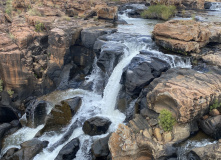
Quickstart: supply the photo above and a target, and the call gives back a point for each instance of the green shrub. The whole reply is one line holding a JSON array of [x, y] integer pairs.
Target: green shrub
[[166, 120], [159, 12], [215, 105], [8, 8], [10, 92], [39, 27], [1, 85]]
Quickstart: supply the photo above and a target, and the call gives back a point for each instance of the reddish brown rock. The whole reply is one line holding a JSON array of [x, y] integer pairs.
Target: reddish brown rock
[[186, 36], [186, 93], [105, 12]]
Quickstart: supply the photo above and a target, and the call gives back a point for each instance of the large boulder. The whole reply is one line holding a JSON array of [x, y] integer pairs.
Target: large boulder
[[59, 117], [105, 12], [184, 92], [96, 126], [68, 152], [140, 72], [28, 151], [212, 126], [186, 36], [111, 53]]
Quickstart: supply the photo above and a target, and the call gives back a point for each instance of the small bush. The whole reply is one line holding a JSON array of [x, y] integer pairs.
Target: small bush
[[10, 92], [8, 8], [159, 12], [39, 27], [166, 120], [215, 105], [1, 85]]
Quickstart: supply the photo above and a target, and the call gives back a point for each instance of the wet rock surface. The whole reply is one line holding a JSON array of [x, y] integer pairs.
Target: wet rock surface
[[29, 150], [140, 72], [100, 148], [96, 126], [68, 152], [59, 117]]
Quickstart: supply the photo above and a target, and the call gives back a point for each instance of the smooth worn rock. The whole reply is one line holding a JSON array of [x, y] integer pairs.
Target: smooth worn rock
[[96, 126], [184, 92], [212, 126], [68, 152], [7, 114], [100, 148], [59, 117], [109, 13]]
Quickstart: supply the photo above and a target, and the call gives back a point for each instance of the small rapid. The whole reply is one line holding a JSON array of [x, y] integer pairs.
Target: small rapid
[[93, 102], [216, 6]]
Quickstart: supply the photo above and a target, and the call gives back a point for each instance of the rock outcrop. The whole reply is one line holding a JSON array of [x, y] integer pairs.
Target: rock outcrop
[[185, 36], [184, 92], [190, 4], [96, 126]]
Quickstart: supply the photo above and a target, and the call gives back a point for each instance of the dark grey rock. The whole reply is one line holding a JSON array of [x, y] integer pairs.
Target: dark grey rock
[[110, 56], [68, 152], [140, 72], [90, 35], [100, 148], [212, 126], [96, 126], [74, 103]]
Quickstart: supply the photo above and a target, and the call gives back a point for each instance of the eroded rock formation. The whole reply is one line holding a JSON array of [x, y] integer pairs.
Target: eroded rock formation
[[185, 36]]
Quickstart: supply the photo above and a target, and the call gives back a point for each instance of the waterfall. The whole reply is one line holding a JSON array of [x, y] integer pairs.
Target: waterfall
[[93, 103]]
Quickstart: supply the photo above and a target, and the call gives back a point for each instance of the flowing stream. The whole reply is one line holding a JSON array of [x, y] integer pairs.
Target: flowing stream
[[94, 103]]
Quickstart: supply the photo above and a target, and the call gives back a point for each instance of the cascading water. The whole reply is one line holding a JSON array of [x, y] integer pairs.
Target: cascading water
[[93, 103], [216, 6]]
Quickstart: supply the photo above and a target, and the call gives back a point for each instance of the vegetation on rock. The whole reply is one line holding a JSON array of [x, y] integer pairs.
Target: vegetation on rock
[[10, 92], [1, 85], [39, 27], [166, 120], [215, 105], [159, 12], [8, 8]]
